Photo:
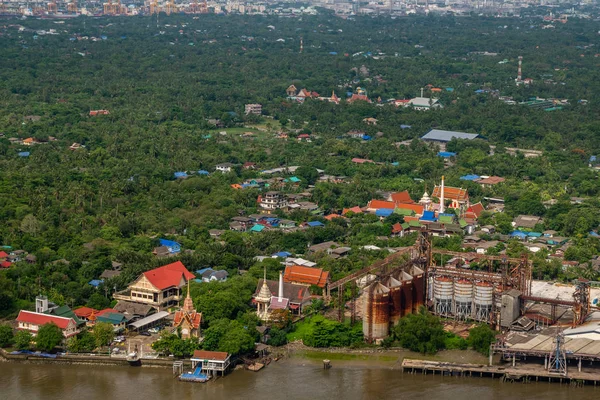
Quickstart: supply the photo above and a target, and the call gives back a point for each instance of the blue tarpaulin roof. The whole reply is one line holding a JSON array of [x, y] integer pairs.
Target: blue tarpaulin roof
[[470, 177], [257, 228], [518, 234], [395, 163], [534, 234], [282, 254], [367, 137], [592, 158], [95, 282], [428, 216], [203, 270], [180, 174], [446, 154], [24, 154], [384, 212], [174, 247], [315, 223], [203, 172]]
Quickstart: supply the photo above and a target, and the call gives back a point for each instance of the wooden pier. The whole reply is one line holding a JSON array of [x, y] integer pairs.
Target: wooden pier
[[522, 373]]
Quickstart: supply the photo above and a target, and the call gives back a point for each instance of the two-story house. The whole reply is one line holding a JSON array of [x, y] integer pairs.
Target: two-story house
[[159, 288]]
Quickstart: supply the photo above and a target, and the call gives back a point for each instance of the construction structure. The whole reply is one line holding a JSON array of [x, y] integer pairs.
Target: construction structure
[[498, 292]]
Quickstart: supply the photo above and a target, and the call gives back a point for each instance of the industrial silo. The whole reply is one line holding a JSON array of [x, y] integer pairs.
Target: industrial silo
[[483, 300], [395, 299], [376, 318], [418, 288], [463, 299], [443, 290], [406, 293]]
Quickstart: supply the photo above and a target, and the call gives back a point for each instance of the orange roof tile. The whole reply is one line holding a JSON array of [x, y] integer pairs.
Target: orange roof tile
[[307, 275], [417, 208], [355, 210], [475, 210], [168, 275], [451, 193], [401, 197], [377, 204]]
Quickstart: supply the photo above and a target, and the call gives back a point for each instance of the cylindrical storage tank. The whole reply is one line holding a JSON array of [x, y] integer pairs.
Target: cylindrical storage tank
[[406, 293], [463, 298], [443, 290], [483, 300], [418, 288], [376, 320], [395, 300]]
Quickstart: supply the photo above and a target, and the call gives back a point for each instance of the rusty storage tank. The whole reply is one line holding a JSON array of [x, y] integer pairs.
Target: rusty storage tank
[[376, 318], [463, 298], [443, 290], [483, 300], [395, 287], [406, 293], [418, 288]]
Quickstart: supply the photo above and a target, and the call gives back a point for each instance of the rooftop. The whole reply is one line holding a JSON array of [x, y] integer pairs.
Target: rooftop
[[439, 135]]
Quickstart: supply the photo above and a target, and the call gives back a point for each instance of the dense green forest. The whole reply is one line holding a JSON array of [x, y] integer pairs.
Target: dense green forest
[[163, 81]]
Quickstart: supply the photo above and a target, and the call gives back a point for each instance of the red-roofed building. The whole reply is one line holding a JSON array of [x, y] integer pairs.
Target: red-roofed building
[[32, 321], [474, 211], [3, 255], [400, 197], [359, 97], [355, 210], [490, 181], [417, 208], [84, 312], [105, 311], [159, 288], [375, 205], [5, 264], [458, 196], [332, 216], [307, 276]]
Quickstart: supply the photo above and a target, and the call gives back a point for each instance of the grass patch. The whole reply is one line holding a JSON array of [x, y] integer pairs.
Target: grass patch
[[301, 329], [322, 355]]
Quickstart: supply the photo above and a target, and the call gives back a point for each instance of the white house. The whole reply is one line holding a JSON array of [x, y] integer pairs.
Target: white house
[[224, 167], [32, 321]]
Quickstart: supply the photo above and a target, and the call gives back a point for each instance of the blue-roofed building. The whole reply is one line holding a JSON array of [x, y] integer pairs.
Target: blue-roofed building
[[395, 163], [438, 135], [203, 270], [257, 228], [446, 154], [469, 177], [24, 154], [519, 234], [366, 137], [428, 216], [180, 175], [534, 234], [203, 172], [449, 89], [384, 212], [282, 254], [314, 224], [96, 282], [172, 246]]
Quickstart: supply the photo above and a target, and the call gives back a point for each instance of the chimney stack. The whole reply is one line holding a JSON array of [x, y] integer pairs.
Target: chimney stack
[[280, 286]]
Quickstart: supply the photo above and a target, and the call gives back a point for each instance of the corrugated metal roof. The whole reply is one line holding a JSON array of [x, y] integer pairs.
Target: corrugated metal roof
[[445, 136]]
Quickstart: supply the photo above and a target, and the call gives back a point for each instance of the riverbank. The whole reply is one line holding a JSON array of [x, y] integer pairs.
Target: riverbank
[[374, 357], [89, 359]]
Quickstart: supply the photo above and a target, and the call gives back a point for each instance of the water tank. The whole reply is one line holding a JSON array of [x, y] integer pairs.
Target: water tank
[[483, 300], [443, 290], [395, 299], [463, 298], [376, 319]]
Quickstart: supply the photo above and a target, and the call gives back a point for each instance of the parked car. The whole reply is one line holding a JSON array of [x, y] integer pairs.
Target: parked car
[[145, 334]]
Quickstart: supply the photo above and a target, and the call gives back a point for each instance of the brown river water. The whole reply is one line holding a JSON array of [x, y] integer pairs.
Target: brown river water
[[290, 379]]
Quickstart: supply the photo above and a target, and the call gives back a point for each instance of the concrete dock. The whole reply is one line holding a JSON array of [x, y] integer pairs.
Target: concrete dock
[[520, 373]]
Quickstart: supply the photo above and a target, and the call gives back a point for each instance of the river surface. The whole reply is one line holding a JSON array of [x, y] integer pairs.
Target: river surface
[[289, 379]]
